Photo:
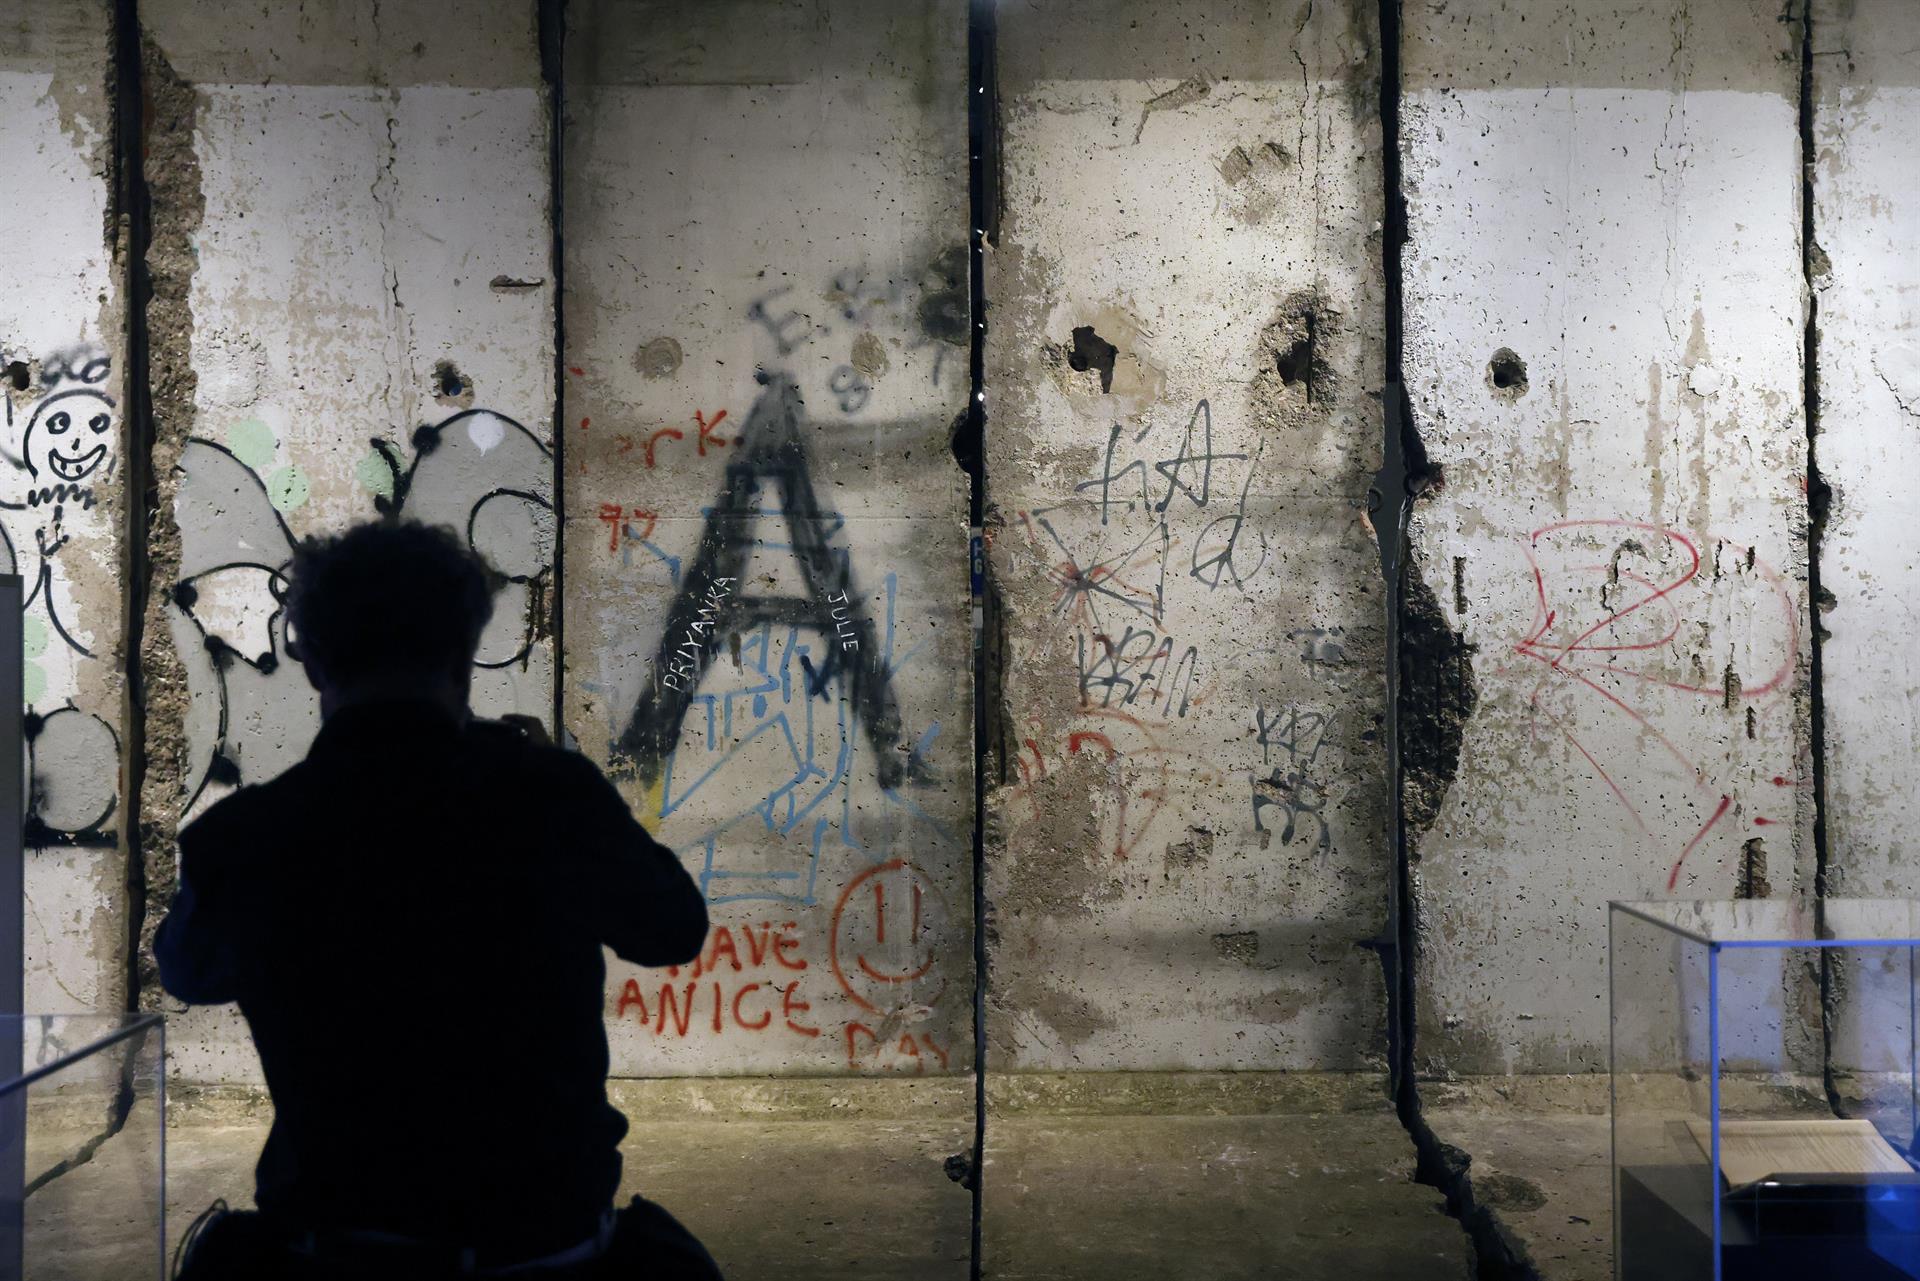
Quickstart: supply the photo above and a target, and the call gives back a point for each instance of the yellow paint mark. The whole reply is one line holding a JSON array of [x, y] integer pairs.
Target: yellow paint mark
[[650, 807]]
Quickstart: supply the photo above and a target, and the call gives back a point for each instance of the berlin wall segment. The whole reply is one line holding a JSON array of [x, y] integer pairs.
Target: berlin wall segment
[[1186, 859], [349, 318], [1617, 558], [766, 589], [63, 492]]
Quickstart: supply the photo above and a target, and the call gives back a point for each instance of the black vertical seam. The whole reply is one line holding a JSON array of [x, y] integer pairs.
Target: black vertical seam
[[1819, 500], [141, 494], [1391, 514], [982, 225], [552, 19], [1405, 472]]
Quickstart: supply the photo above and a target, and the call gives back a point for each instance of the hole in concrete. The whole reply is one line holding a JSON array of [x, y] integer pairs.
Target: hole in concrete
[[1296, 362], [1091, 351], [1507, 372], [447, 380], [19, 375], [1292, 379]]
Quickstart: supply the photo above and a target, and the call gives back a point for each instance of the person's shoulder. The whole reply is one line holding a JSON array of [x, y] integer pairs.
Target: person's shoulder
[[234, 821], [533, 756]]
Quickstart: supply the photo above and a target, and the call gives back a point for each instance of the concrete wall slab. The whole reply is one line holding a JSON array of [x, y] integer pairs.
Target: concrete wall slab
[[1604, 323], [1187, 853]]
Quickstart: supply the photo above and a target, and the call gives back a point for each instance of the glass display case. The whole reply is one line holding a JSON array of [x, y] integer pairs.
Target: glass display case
[[1763, 1078], [82, 1146]]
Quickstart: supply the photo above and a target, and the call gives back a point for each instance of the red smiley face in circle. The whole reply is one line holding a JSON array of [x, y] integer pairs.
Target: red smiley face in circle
[[884, 930]]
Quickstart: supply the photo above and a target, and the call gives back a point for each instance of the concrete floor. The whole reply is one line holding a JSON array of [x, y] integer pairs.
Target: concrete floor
[[1110, 1176], [1542, 1159], [1224, 1176], [1543, 1174]]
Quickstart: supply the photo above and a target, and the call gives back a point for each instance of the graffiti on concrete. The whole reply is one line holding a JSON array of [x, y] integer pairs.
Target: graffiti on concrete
[[1290, 740], [1117, 760], [1140, 669], [811, 669], [772, 456], [252, 712], [1634, 625], [755, 977], [763, 713], [933, 303], [62, 447]]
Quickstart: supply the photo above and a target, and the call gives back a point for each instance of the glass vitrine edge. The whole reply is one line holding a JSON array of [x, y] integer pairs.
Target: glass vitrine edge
[[160, 1102], [125, 1031], [1713, 1093], [1631, 908], [1613, 1090], [1792, 943]]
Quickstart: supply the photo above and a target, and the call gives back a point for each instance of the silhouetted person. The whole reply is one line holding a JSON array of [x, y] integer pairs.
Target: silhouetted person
[[411, 920]]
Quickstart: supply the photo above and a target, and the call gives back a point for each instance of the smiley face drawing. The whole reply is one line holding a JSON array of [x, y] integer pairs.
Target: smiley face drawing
[[881, 944], [69, 436]]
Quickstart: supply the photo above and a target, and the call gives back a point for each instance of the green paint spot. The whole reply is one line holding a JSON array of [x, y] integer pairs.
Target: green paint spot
[[33, 683], [33, 636], [252, 442], [374, 475], [287, 488]]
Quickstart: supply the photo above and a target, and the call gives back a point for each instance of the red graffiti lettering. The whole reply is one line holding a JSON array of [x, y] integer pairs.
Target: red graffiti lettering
[[722, 940], [706, 430], [766, 1016], [1623, 657], [1122, 746], [790, 1007], [785, 941], [672, 433], [611, 514], [681, 1015], [620, 524], [927, 1040]]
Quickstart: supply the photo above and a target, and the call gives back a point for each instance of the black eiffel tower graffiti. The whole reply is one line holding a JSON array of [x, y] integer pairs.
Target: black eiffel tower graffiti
[[712, 604]]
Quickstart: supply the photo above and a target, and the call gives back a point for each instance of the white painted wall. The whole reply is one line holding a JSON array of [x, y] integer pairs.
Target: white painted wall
[[62, 491], [791, 204], [1188, 842], [1614, 197], [376, 196]]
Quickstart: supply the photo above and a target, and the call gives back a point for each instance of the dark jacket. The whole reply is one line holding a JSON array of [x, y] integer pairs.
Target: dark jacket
[[411, 920]]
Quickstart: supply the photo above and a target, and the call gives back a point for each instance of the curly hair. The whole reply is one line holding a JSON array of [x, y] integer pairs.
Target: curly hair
[[390, 596]]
